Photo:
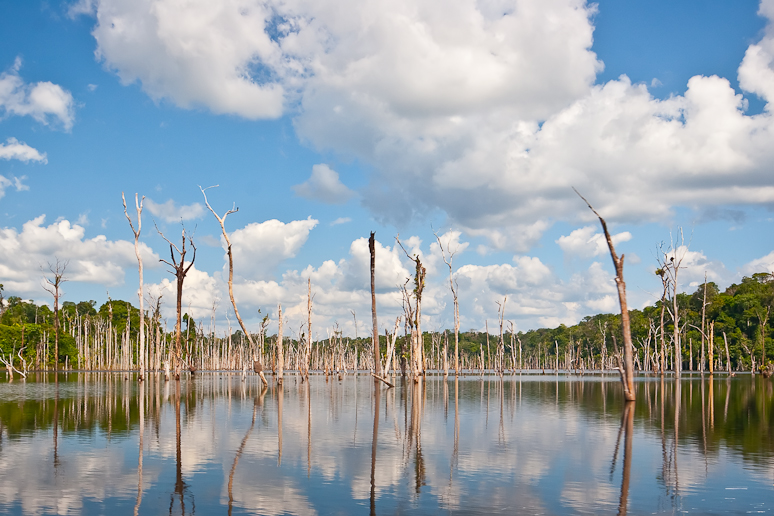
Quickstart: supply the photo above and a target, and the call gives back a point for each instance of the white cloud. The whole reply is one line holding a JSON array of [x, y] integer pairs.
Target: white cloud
[[200, 292], [693, 265], [43, 101], [341, 220], [487, 112], [762, 264], [16, 182], [215, 55], [170, 212], [87, 7], [259, 247], [324, 185], [95, 260], [14, 149], [586, 243]]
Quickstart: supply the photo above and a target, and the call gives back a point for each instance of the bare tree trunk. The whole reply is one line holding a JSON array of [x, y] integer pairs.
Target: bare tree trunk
[[711, 347], [280, 347], [180, 271], [703, 318], [54, 288], [138, 204], [308, 325], [728, 355], [375, 334], [222, 221], [627, 375], [453, 288]]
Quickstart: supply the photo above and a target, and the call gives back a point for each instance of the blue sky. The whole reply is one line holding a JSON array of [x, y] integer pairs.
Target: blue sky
[[474, 119]]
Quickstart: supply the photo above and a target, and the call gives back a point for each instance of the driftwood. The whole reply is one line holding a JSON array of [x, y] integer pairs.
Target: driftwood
[[382, 379]]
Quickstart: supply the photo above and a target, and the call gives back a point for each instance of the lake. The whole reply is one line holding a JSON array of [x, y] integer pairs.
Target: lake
[[95, 443]]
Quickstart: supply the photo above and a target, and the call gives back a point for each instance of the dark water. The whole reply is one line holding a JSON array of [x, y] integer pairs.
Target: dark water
[[521, 445]]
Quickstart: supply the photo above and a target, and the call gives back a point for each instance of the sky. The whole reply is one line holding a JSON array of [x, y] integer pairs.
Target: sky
[[325, 120]]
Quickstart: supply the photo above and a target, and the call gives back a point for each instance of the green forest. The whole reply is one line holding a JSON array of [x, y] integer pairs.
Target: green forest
[[736, 322]]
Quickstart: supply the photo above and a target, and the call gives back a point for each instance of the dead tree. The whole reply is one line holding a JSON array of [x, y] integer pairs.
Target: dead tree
[[453, 286], [180, 270], [665, 284], [138, 205], [704, 305], [8, 362], [670, 266], [308, 327], [280, 353], [627, 371], [501, 342], [414, 314], [762, 313], [53, 287], [375, 334], [222, 221]]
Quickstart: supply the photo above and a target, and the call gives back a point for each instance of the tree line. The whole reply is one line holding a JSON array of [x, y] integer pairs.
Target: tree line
[[717, 331]]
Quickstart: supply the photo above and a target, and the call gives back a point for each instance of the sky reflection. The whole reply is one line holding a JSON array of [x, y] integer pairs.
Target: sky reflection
[[553, 444]]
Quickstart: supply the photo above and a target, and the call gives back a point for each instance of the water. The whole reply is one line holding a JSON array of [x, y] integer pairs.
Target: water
[[526, 444]]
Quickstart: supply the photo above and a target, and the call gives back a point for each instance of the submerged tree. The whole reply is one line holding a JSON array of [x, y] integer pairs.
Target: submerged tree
[[54, 287], [180, 271], [453, 286], [375, 334], [138, 205], [627, 371], [414, 313], [222, 221]]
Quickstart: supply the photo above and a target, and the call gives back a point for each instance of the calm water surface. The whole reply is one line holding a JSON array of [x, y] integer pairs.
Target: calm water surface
[[93, 443]]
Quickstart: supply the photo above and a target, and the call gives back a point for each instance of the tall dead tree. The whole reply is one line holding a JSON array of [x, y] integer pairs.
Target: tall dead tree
[[501, 342], [453, 287], [53, 287], [703, 319], [308, 327], [670, 265], [179, 270], [414, 314], [665, 284], [627, 371], [222, 221], [138, 205], [375, 334], [280, 353]]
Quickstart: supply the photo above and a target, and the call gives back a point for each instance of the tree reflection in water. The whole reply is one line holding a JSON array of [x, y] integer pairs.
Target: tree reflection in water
[[700, 430], [181, 488], [258, 402], [374, 444]]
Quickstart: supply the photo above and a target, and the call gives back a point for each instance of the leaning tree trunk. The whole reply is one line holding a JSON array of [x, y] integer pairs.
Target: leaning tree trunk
[[222, 221], [627, 373]]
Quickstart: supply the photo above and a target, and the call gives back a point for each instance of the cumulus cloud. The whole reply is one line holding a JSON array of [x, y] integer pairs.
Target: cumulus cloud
[[14, 149], [91, 260], [693, 265], [486, 111], [324, 185], [171, 212], [762, 264], [259, 247], [43, 101], [201, 292], [216, 55], [586, 243]]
